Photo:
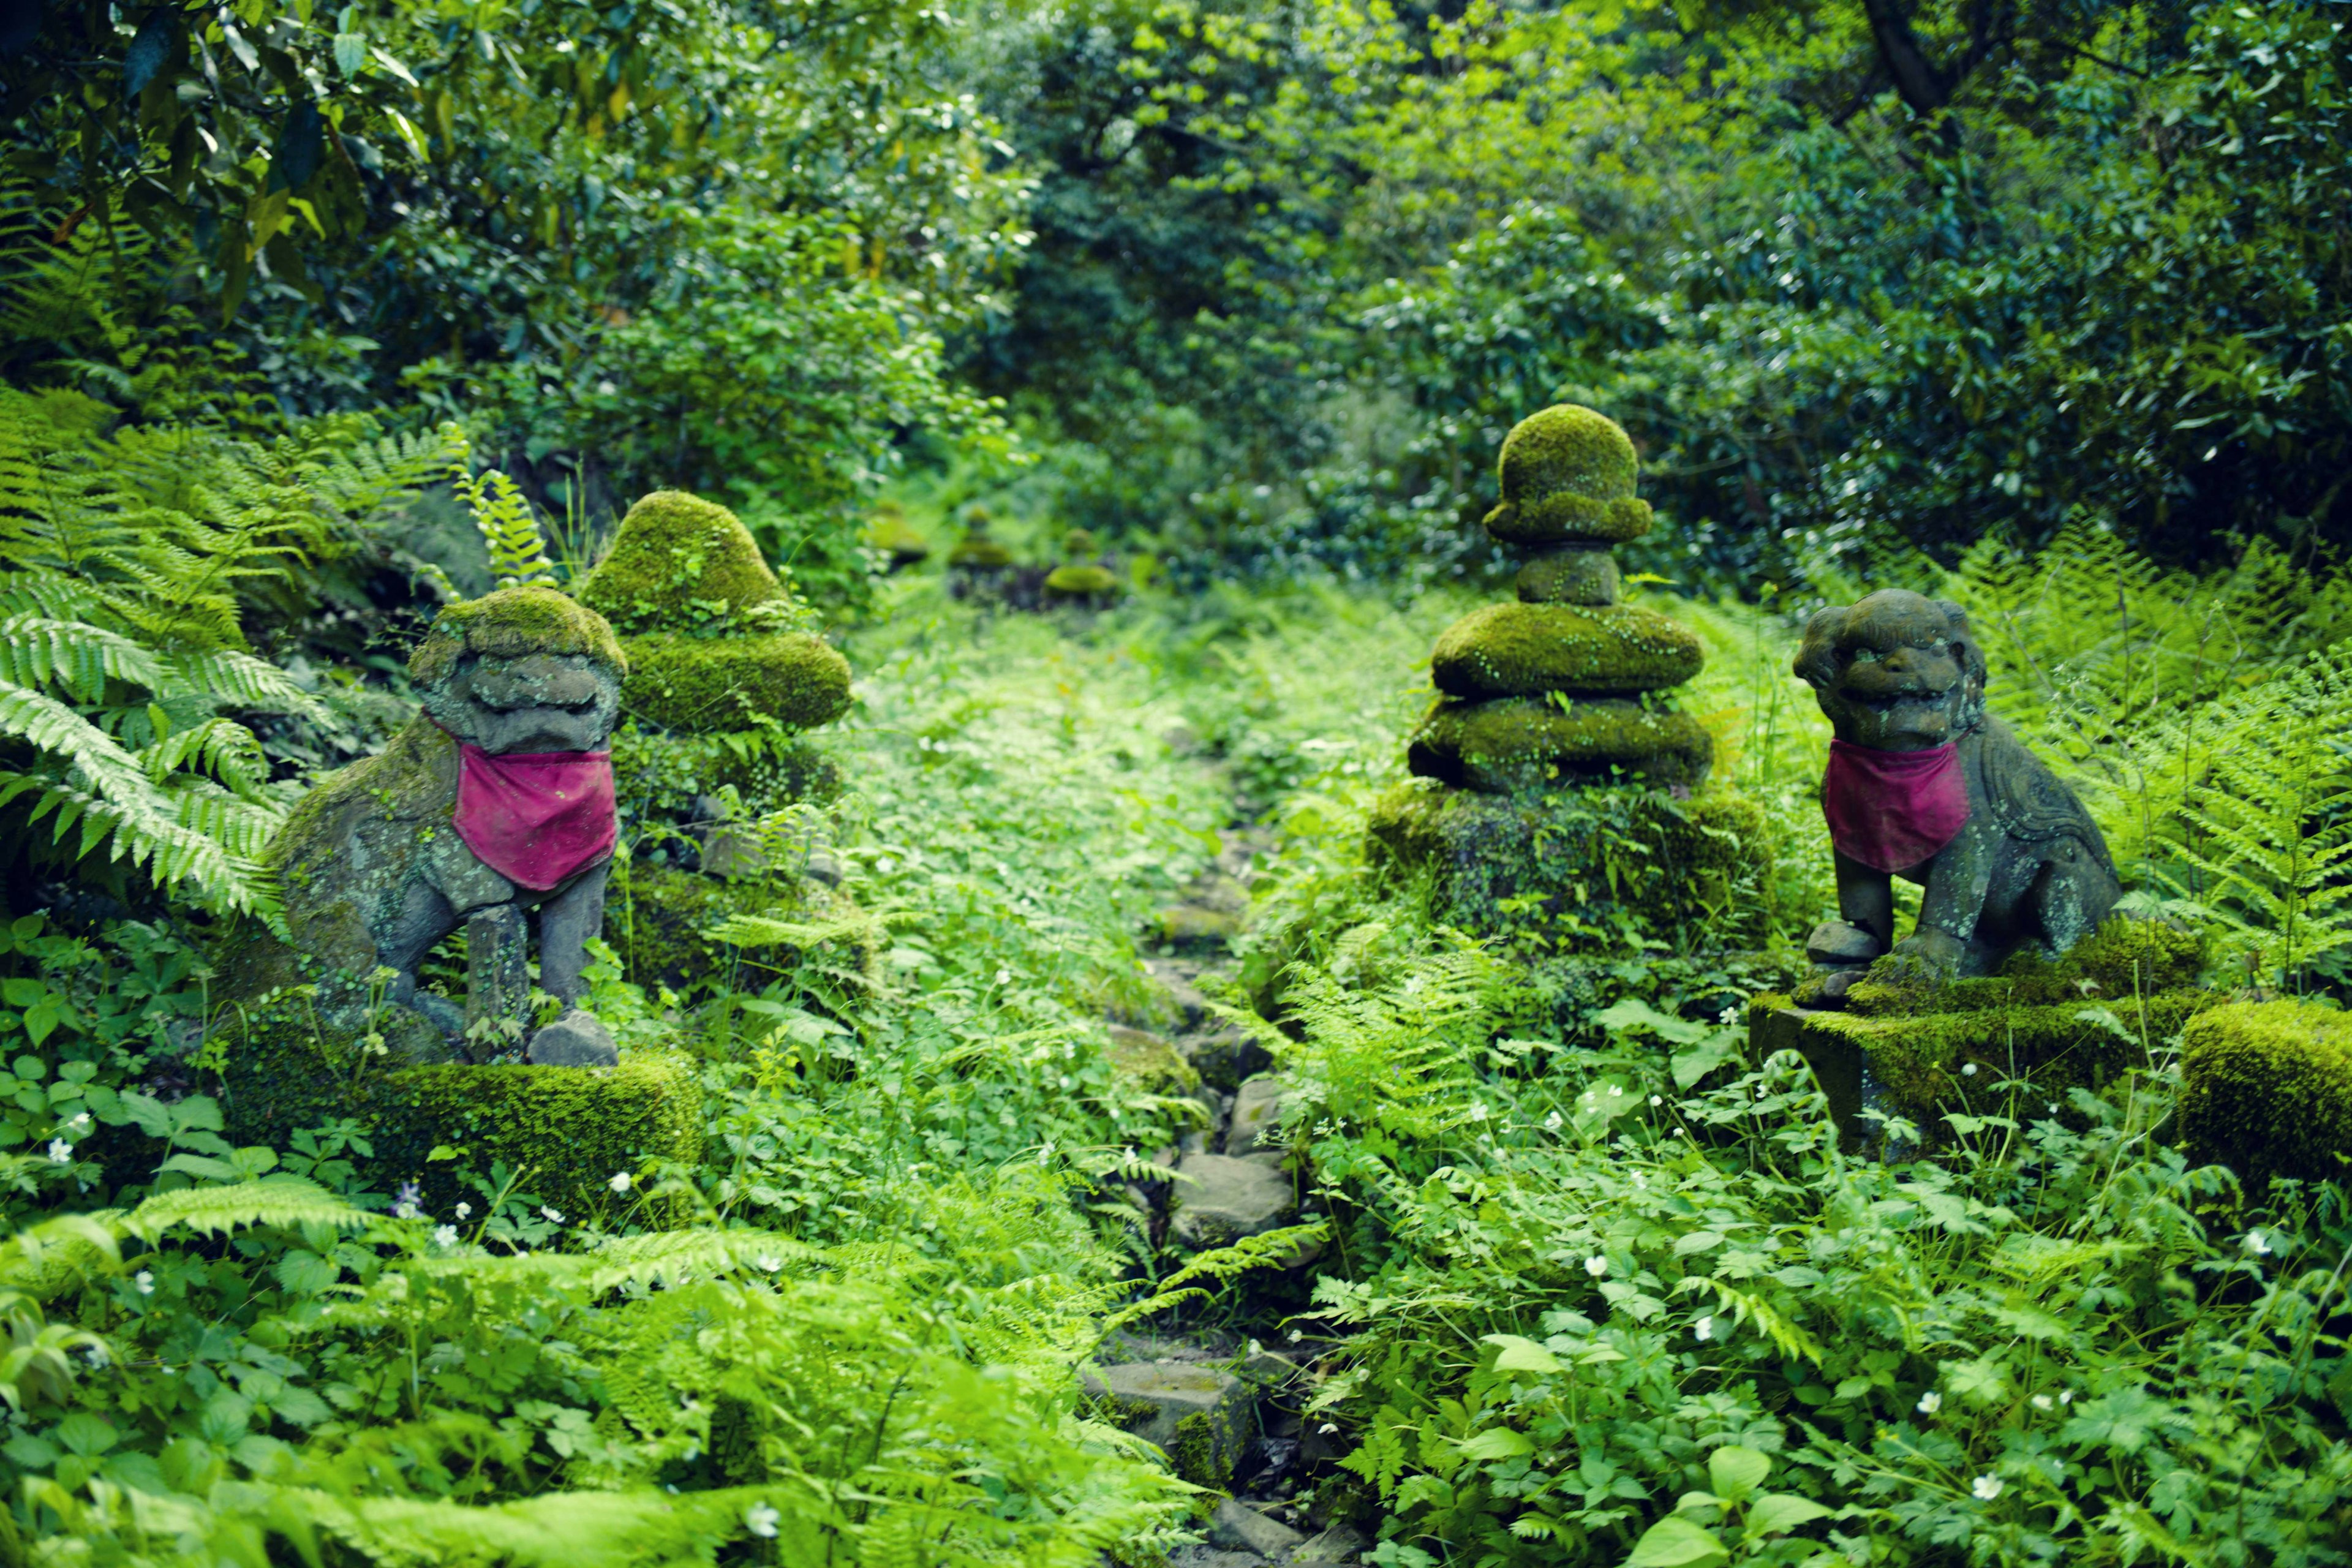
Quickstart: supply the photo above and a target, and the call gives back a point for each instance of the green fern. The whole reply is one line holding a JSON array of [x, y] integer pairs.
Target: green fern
[[509, 527]]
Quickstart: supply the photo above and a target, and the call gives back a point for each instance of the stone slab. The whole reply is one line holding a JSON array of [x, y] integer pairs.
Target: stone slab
[[1219, 1199], [1256, 1121], [1237, 1526]]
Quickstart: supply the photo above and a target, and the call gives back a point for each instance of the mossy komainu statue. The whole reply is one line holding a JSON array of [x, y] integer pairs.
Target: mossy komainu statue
[[493, 806], [1924, 784]]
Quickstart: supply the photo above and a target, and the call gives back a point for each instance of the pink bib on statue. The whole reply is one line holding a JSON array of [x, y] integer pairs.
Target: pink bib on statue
[[1891, 810], [536, 818]]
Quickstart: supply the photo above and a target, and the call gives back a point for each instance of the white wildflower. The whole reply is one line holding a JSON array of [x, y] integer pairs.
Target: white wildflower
[[2066, 1396], [554, 1215], [2257, 1243], [1004, 977], [762, 1521], [1477, 1111], [1969, 1070], [1596, 1266], [445, 1236], [80, 1123], [1727, 1015], [769, 1262], [60, 1151], [2044, 1402], [620, 1182], [1986, 1488], [145, 1280], [1657, 1100], [1552, 1123], [463, 1210], [1930, 1402], [1704, 1329], [1615, 1090]]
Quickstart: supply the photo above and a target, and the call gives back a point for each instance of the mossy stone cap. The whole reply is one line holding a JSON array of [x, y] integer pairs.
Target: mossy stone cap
[[702, 684], [1502, 747], [1080, 581], [1568, 473], [1516, 649], [675, 555], [511, 623]]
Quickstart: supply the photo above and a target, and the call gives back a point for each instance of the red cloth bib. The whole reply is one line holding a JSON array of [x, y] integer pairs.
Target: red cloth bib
[[535, 817], [1892, 809]]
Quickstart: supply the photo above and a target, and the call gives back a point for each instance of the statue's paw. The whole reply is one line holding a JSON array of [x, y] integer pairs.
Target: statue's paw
[[1924, 958], [577, 1040], [1842, 944]]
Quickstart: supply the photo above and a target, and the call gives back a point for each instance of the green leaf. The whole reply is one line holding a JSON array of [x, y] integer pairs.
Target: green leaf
[[1517, 1354], [1497, 1443], [1698, 1241], [1776, 1514], [1736, 1471], [1676, 1543]]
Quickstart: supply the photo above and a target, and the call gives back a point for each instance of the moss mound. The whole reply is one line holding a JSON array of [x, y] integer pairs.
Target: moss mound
[[978, 552], [1151, 1063], [1520, 650], [510, 623], [1080, 583], [1570, 577], [1566, 473], [2266, 1089], [1518, 743], [1502, 864], [677, 561], [572, 1127], [697, 685]]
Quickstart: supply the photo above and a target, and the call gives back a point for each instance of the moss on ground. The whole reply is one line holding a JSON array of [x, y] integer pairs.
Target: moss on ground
[[1515, 649], [700, 685], [510, 623], [2266, 1089], [680, 561], [1568, 473], [1514, 745]]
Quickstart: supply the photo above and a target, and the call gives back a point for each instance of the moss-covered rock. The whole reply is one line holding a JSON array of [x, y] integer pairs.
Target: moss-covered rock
[[1522, 650], [2266, 1089], [570, 1128], [1150, 1063], [1519, 743], [680, 561], [978, 552], [1568, 473], [1574, 859], [512, 624], [1570, 577], [890, 531], [1081, 582], [658, 919], [702, 684], [1081, 545]]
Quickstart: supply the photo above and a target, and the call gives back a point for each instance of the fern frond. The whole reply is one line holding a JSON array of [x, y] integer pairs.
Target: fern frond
[[283, 1201], [37, 649], [243, 682], [502, 513]]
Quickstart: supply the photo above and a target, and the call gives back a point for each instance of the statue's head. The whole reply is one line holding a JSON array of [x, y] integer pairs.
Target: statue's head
[[523, 670], [1897, 672]]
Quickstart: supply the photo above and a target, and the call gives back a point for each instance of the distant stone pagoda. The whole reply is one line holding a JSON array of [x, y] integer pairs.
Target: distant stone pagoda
[[1547, 698]]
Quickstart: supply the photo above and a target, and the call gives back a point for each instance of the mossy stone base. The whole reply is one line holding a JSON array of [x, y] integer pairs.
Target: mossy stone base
[[975, 553], [1081, 583], [1925, 1051], [1518, 744], [573, 1127], [1570, 577], [1573, 860], [675, 558], [701, 685], [1523, 650], [2266, 1089]]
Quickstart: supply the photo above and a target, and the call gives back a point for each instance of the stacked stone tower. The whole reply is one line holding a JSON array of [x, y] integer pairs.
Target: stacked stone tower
[[1544, 697]]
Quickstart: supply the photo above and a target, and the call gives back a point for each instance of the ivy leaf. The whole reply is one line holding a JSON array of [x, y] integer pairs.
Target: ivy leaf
[[1676, 1543]]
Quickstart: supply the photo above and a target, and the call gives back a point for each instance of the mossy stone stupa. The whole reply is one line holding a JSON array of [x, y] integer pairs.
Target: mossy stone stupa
[[1552, 685], [1082, 579], [1561, 689]]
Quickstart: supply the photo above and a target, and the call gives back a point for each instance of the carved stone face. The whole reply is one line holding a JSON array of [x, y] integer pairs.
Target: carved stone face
[[538, 703], [1896, 672]]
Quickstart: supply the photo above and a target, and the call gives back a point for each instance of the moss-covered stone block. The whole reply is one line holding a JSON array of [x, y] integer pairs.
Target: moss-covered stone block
[[1927, 1050], [1570, 577], [1568, 473], [703, 685], [680, 561], [1517, 744], [1080, 581], [1151, 1063], [2266, 1089], [570, 1128], [1522, 650], [1571, 862], [512, 624]]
